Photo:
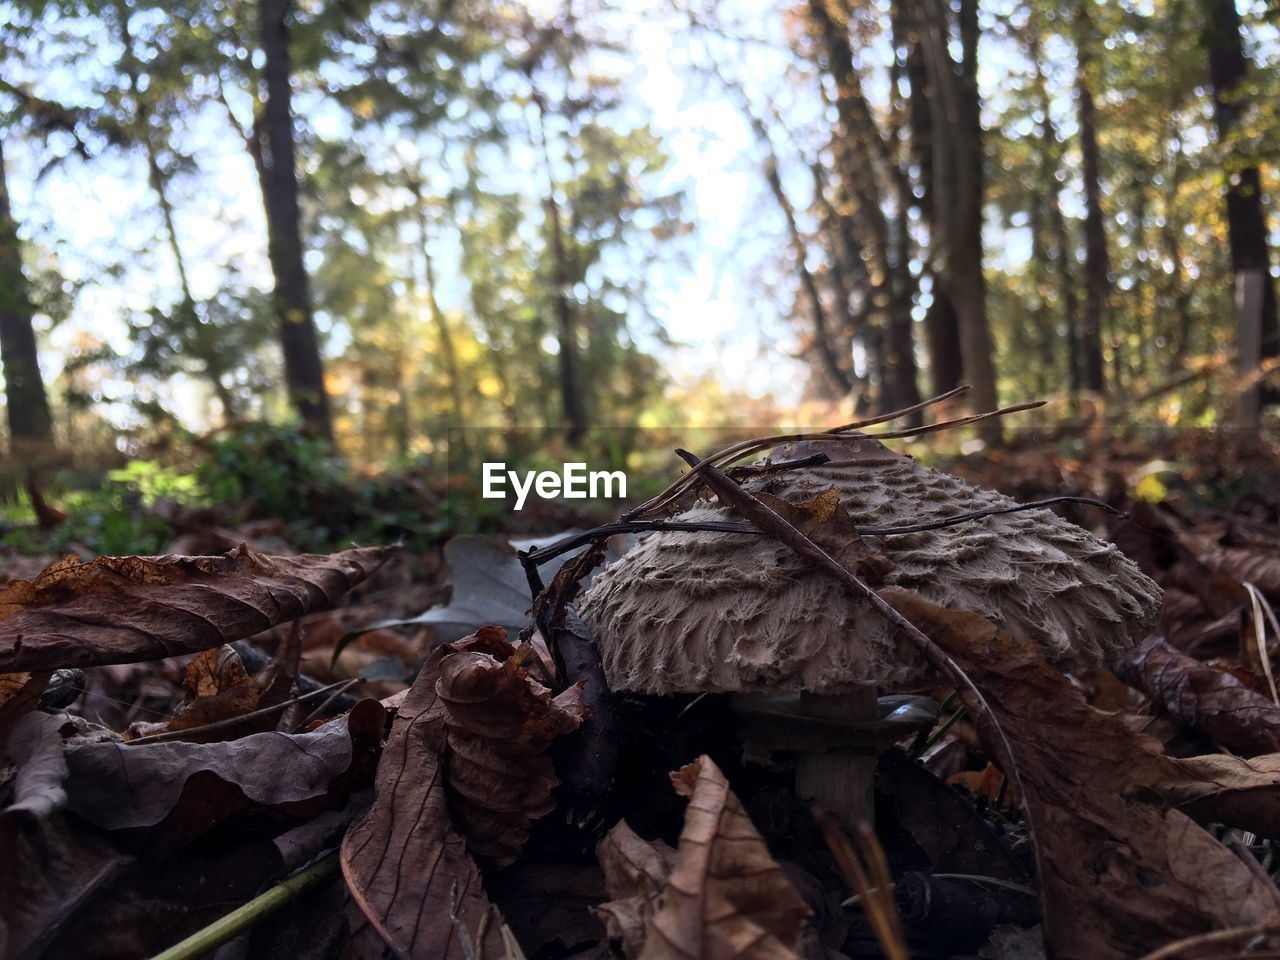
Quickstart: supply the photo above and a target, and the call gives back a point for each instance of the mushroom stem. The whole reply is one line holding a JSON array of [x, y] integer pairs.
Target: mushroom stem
[[841, 780]]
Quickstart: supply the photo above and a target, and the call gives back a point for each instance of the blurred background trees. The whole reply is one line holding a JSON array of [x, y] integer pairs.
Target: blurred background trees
[[379, 219]]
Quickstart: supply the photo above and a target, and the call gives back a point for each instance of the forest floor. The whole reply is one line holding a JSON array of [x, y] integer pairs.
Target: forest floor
[[384, 751]]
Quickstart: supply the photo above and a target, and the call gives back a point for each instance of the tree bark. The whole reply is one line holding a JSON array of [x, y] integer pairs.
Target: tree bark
[[26, 405], [839, 379], [1097, 261], [438, 319], [1246, 218], [941, 323], [277, 173], [862, 166], [573, 402], [957, 187]]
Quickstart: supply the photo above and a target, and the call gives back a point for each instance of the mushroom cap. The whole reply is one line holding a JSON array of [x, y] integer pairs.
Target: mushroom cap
[[724, 612]]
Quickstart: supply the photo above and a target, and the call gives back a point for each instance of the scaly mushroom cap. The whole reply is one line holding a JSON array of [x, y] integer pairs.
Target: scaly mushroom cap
[[724, 612]]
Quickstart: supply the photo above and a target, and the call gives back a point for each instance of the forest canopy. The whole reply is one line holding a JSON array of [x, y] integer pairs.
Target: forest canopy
[[378, 220]]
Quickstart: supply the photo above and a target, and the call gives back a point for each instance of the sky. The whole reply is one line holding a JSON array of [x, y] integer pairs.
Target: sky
[[710, 292], [90, 215]]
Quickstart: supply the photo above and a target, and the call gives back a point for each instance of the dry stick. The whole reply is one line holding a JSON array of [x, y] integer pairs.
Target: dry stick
[[875, 895], [1170, 950], [748, 447], [772, 523], [666, 494], [873, 853], [232, 721]]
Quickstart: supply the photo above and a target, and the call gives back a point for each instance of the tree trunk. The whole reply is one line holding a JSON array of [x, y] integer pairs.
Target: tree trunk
[[573, 402], [840, 381], [274, 154], [1246, 218], [862, 168], [438, 319], [941, 324], [957, 155], [1097, 262], [27, 407]]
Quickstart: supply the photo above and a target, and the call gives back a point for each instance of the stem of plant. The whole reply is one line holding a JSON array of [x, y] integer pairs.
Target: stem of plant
[[223, 929]]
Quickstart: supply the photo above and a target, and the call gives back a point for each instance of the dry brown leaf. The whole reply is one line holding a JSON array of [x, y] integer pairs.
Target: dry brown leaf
[[1117, 873], [500, 722], [824, 521], [1220, 788], [635, 872], [125, 609], [19, 695], [190, 787], [1257, 566], [405, 864], [1203, 698], [219, 689], [47, 871], [724, 897]]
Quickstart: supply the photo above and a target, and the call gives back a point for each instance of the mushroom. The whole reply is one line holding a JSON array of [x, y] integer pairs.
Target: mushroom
[[687, 613]]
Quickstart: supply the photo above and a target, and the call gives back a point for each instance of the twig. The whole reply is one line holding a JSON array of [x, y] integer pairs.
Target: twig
[[223, 929], [746, 447], [875, 892], [232, 721], [1170, 950], [329, 701], [666, 495]]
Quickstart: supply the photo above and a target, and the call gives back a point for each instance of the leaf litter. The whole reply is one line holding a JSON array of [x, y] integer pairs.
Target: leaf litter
[[488, 796]]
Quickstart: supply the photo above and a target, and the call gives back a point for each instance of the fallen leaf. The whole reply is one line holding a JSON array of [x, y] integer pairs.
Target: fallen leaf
[[219, 689], [1117, 872], [1220, 788], [190, 787], [48, 872], [35, 749], [1205, 699], [405, 864], [826, 523], [500, 722], [944, 825], [724, 897], [1257, 566], [635, 873], [125, 609], [19, 695]]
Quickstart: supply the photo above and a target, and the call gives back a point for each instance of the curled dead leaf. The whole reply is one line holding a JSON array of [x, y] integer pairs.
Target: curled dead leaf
[[405, 864], [724, 896], [1202, 697], [126, 609], [500, 722]]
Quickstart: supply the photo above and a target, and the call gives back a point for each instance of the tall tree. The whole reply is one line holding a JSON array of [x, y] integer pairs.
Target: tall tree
[[27, 407], [942, 324], [956, 185], [1258, 331], [273, 154], [1097, 261], [872, 196]]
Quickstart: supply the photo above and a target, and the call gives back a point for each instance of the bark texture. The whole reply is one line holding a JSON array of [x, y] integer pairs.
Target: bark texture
[[276, 163]]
